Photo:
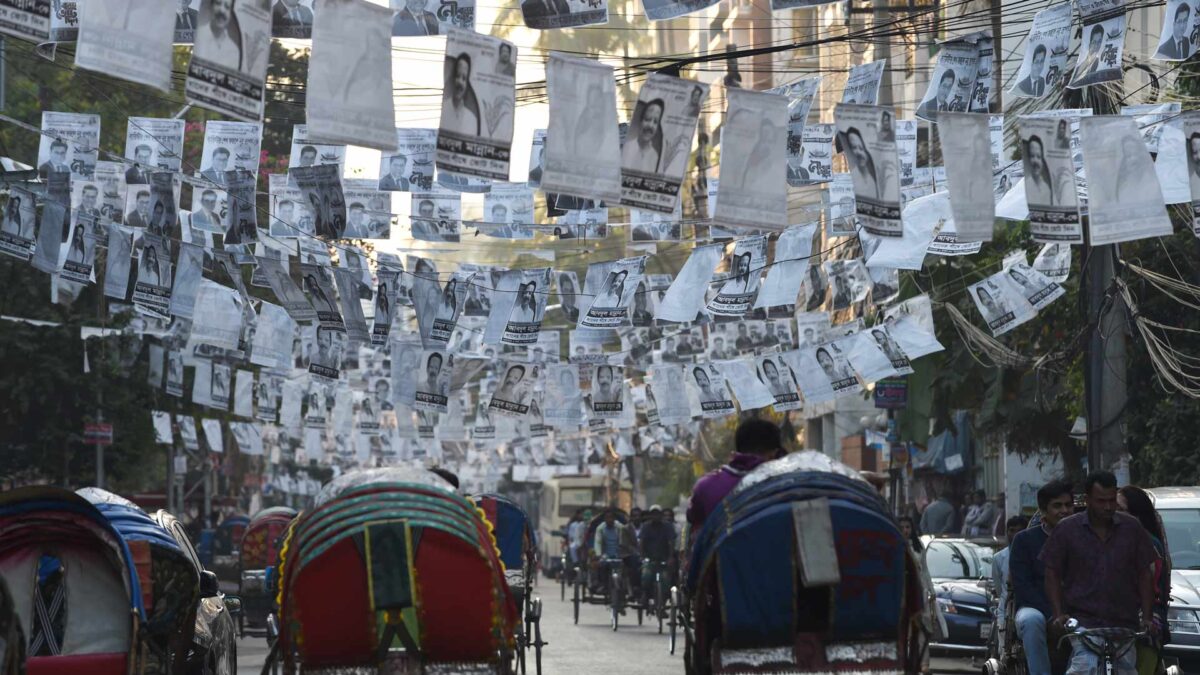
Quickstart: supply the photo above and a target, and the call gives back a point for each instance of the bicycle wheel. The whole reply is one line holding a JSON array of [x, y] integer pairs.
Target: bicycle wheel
[[562, 579], [537, 636], [577, 599], [673, 621], [614, 599]]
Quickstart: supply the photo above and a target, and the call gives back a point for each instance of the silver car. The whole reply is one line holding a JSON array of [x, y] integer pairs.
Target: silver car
[[1179, 508]]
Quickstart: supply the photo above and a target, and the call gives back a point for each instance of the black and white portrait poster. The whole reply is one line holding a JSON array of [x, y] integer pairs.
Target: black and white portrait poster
[[79, 262], [174, 373], [1001, 303], [966, 150], [952, 82], [69, 144], [528, 308], [874, 354], [410, 167], [800, 99], [654, 226], [567, 285], [449, 308], [431, 17], [868, 140], [982, 96], [476, 129], [1044, 66], [1054, 262], [292, 18], [321, 190], [1049, 180], [906, 149], [508, 211], [707, 383], [753, 170], [188, 273], [240, 224], [608, 391], [351, 55], [1038, 290], [116, 269], [910, 324], [152, 290], [583, 152], [1125, 200], [352, 312], [814, 163], [19, 226], [824, 372], [743, 379], [840, 197], [229, 146], [512, 394], [291, 215], [152, 144], [187, 21], [326, 362], [1103, 43], [563, 400], [64, 21], [29, 20], [274, 331], [308, 152], [287, 293], [811, 327], [128, 39], [537, 159], [433, 381], [436, 216], [775, 373], [49, 237], [655, 153], [321, 296], [368, 210], [685, 297], [228, 70], [1176, 41], [479, 295], [666, 396], [547, 14], [610, 304], [862, 83], [658, 10], [788, 269], [1191, 131], [736, 293], [848, 281]]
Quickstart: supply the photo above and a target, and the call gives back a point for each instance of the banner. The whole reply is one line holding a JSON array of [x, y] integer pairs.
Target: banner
[[746, 263], [656, 148], [753, 187], [228, 70], [69, 144], [868, 139], [582, 151], [1049, 180], [1103, 46], [610, 304], [862, 83]]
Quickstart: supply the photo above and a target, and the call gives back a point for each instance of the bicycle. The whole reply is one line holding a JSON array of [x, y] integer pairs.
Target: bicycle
[[616, 588], [1110, 644], [654, 588]]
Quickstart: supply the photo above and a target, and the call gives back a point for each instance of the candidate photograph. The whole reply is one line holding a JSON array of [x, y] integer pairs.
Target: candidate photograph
[[643, 147], [219, 38], [460, 104]]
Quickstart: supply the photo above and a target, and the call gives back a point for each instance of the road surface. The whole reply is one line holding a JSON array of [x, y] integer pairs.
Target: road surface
[[590, 648]]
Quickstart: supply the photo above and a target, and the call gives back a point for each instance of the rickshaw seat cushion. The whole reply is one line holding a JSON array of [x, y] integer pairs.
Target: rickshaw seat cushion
[[78, 664]]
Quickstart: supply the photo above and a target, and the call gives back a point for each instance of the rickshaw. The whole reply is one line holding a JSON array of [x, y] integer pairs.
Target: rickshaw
[[802, 570], [591, 588], [12, 640], [392, 571], [260, 550], [518, 551], [226, 543], [55, 544]]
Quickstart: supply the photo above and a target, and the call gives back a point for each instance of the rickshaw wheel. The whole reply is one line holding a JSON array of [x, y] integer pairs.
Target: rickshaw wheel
[[537, 635], [562, 580], [659, 607], [640, 611], [577, 600]]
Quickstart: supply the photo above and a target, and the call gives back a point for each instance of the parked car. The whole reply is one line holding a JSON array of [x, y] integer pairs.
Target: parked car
[[961, 571], [214, 644], [1179, 508]]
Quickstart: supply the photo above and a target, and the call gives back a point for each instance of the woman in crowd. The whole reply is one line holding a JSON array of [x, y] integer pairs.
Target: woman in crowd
[[1137, 502]]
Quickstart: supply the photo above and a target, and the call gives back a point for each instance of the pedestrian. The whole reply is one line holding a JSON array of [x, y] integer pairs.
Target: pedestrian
[[978, 521], [938, 517], [756, 441], [1138, 503], [1099, 571], [576, 531], [1027, 574], [909, 530]]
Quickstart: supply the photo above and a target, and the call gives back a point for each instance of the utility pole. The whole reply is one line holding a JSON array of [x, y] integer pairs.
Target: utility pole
[[1106, 360]]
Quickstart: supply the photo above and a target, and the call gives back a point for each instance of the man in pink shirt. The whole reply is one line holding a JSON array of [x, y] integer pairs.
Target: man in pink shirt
[[756, 441]]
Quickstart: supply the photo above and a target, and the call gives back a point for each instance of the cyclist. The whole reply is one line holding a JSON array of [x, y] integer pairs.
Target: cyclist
[[616, 542], [1099, 571], [657, 540]]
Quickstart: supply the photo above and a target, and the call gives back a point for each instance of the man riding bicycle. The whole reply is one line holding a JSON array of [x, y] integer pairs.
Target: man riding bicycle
[[657, 545], [615, 543], [1098, 571]]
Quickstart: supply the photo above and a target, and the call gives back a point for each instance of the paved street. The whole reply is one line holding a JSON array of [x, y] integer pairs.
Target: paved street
[[590, 648]]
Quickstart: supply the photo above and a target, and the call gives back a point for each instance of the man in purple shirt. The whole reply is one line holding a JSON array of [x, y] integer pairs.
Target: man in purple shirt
[[1098, 571], [756, 441]]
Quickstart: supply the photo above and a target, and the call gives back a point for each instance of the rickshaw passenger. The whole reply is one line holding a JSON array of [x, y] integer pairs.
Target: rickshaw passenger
[[1028, 574], [755, 442]]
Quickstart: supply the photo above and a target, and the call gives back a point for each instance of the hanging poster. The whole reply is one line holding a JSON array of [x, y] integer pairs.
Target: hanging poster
[[19, 225], [1100, 53], [228, 70], [410, 167], [69, 144], [1125, 201], [953, 81], [129, 39], [753, 187], [431, 17], [351, 55], [309, 152], [655, 153], [746, 263], [868, 139], [862, 83], [610, 305], [321, 190], [582, 151], [1049, 180], [475, 134]]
